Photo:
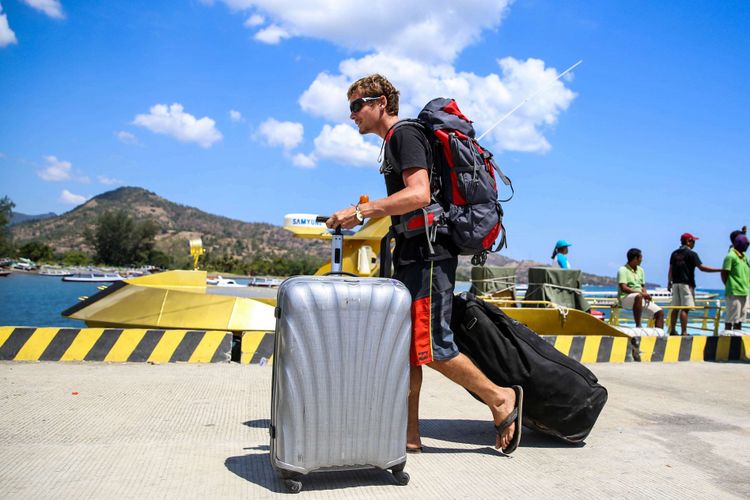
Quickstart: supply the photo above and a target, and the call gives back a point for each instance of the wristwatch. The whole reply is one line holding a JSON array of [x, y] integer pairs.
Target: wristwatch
[[358, 214]]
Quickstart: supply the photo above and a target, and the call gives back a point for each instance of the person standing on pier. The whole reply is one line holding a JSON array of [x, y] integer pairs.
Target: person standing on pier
[[560, 254], [681, 280], [735, 273]]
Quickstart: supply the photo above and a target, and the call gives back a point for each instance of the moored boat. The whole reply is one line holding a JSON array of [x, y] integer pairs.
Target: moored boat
[[221, 281], [94, 277], [55, 271]]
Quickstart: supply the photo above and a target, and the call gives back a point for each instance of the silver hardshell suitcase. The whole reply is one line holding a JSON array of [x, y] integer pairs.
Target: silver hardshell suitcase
[[340, 376]]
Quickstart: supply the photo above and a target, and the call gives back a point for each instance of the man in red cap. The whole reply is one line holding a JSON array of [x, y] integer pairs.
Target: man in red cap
[[681, 280]]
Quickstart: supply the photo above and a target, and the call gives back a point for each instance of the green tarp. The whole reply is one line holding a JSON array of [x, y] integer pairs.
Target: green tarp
[[559, 286], [497, 281]]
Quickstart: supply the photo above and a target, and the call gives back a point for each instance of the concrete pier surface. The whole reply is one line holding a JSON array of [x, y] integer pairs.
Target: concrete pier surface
[[95, 430]]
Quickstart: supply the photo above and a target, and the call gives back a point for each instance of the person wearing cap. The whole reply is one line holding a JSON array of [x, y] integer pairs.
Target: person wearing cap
[[735, 233], [560, 254], [735, 273], [681, 280], [631, 290]]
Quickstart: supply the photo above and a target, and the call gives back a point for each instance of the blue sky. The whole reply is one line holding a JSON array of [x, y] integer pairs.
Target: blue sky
[[238, 107]]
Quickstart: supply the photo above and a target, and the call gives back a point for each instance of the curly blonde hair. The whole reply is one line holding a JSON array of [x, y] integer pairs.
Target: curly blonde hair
[[375, 86]]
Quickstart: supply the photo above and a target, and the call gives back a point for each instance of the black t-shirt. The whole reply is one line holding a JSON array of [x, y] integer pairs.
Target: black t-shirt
[[407, 147], [683, 262]]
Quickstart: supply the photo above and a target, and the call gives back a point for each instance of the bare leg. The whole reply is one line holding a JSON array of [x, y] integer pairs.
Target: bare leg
[[673, 322], [413, 438], [501, 400], [659, 319], [637, 310], [683, 321]]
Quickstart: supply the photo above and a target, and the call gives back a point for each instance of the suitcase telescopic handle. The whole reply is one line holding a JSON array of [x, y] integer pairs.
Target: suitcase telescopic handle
[[337, 248]]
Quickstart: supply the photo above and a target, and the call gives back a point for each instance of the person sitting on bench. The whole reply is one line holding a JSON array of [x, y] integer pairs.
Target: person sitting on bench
[[631, 290]]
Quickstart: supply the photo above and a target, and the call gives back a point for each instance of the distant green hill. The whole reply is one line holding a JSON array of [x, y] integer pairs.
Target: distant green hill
[[178, 223], [221, 236]]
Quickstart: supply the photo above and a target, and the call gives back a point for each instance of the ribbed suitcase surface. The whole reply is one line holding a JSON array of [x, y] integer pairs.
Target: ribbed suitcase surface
[[341, 371]]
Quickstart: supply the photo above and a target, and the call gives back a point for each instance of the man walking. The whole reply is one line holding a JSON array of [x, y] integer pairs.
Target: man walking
[[428, 271], [681, 280], [631, 282]]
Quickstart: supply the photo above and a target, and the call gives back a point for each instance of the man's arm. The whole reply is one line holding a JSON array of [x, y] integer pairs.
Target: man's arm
[[416, 194], [707, 269], [669, 278]]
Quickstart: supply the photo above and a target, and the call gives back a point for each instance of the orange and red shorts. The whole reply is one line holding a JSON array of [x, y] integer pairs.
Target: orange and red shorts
[[431, 285]]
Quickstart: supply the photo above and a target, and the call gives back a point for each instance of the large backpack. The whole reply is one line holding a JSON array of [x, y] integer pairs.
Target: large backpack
[[463, 183]]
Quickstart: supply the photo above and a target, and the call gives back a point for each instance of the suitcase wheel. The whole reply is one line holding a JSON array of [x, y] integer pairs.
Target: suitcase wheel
[[401, 477], [294, 485]]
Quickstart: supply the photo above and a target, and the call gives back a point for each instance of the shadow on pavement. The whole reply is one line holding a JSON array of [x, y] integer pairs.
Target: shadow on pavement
[[481, 433], [256, 468], [261, 423]]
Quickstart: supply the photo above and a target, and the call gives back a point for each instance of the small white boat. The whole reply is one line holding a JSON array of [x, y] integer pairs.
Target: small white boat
[[94, 277], [660, 295], [264, 282], [55, 271], [23, 265], [221, 281]]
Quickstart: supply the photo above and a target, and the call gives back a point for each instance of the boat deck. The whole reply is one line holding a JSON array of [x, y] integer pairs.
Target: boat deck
[[96, 430]]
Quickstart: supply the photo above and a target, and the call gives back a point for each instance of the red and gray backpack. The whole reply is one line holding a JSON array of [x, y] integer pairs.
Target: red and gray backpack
[[463, 181]]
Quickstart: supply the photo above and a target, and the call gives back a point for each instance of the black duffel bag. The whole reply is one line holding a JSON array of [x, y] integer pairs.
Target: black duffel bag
[[561, 396]]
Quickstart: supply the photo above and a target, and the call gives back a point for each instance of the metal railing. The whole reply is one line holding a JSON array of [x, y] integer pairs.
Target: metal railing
[[703, 318]]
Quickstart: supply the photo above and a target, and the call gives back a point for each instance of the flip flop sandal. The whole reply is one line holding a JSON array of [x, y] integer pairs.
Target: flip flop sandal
[[515, 416]]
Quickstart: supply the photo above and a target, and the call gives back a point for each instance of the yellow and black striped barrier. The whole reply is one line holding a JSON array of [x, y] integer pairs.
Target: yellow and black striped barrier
[[596, 349], [256, 347], [200, 346], [114, 345]]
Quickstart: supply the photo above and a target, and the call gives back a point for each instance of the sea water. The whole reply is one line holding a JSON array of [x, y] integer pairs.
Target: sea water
[[27, 299]]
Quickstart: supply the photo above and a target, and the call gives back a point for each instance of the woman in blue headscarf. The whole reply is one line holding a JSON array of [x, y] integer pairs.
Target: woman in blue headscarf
[[560, 254]]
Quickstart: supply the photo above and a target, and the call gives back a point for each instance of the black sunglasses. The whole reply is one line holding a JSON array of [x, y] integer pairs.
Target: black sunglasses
[[357, 104]]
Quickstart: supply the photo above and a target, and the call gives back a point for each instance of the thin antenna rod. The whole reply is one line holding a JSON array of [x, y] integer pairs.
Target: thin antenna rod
[[501, 120]]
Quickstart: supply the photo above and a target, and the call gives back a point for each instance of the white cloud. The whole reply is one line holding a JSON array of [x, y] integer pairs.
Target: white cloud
[[344, 144], [254, 21], [59, 170], [173, 121], [235, 116], [108, 181], [271, 35], [56, 170], [126, 137], [415, 47], [52, 8], [72, 199], [304, 161], [287, 135], [483, 98], [7, 36], [434, 34]]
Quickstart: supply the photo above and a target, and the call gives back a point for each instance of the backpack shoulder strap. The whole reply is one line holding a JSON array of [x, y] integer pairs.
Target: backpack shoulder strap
[[407, 122]]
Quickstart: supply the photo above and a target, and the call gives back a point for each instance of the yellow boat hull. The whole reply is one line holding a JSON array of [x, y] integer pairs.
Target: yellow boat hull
[[173, 299]]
